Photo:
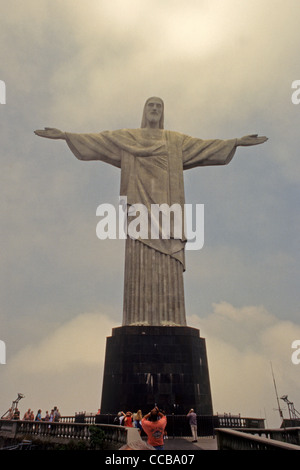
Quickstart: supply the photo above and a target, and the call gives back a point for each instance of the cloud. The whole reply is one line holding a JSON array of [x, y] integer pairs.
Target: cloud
[[98, 62], [63, 368], [242, 343], [224, 69], [76, 343]]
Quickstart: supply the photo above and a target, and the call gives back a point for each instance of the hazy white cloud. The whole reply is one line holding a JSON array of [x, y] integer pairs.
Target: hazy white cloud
[[64, 368], [243, 345], [224, 69], [76, 343]]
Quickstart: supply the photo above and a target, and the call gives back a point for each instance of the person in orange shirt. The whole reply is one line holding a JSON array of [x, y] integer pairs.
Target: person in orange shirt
[[154, 424]]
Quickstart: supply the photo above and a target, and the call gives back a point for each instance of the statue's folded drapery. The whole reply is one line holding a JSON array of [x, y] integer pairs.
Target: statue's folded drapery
[[152, 163]]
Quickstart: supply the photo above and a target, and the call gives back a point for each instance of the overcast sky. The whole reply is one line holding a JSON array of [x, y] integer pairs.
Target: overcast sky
[[224, 69]]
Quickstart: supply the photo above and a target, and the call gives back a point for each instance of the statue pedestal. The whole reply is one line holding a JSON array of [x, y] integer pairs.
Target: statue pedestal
[[163, 365]]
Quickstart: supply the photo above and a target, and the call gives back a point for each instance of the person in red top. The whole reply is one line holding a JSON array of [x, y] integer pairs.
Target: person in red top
[[128, 421], [154, 424]]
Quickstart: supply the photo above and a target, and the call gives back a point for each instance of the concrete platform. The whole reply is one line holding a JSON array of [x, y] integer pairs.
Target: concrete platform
[[185, 443]]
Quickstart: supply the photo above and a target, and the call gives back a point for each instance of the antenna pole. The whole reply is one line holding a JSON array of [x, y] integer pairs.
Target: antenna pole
[[279, 409]]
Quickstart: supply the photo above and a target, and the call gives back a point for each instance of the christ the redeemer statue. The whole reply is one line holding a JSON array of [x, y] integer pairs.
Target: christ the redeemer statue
[[152, 161]]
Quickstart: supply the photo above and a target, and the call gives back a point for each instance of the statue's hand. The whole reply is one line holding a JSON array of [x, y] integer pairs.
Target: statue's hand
[[252, 139], [50, 133]]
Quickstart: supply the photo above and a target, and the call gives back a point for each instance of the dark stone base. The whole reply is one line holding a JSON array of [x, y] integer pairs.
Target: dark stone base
[[163, 365]]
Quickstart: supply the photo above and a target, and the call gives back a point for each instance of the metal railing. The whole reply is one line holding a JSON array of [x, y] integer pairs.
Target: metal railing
[[241, 438], [258, 439], [78, 427], [178, 426]]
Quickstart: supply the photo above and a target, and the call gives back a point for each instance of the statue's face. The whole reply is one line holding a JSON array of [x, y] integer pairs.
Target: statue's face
[[154, 109]]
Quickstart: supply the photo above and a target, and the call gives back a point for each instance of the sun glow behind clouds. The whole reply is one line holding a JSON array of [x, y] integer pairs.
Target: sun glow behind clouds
[[201, 30], [197, 29], [222, 67], [197, 34]]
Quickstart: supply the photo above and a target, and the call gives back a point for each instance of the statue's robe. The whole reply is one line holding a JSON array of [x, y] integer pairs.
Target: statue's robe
[[152, 163]]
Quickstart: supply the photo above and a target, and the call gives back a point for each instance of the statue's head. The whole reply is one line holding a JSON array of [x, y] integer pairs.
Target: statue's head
[[153, 114]]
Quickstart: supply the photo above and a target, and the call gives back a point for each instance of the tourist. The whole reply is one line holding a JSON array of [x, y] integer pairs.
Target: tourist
[[16, 414], [47, 416], [26, 416], [128, 421], [192, 417], [56, 414], [137, 420], [119, 418], [154, 424]]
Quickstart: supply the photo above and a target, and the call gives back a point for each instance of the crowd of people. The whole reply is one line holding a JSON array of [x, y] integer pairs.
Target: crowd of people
[[154, 425], [53, 416]]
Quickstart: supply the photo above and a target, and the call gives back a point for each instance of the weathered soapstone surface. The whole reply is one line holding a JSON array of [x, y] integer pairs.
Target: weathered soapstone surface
[[152, 161], [154, 357]]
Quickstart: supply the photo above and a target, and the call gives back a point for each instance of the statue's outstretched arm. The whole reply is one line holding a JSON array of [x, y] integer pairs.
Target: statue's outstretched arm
[[252, 139], [51, 133], [86, 147]]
